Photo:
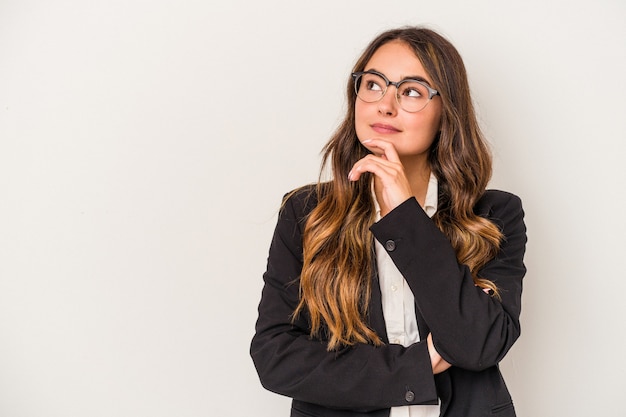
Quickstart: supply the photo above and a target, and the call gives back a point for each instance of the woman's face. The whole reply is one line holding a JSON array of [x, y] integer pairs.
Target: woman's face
[[412, 134]]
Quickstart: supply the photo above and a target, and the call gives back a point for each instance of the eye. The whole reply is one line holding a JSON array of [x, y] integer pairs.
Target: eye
[[373, 85], [412, 91]]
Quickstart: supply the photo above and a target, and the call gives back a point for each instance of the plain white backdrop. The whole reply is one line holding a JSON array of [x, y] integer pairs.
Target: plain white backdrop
[[145, 147]]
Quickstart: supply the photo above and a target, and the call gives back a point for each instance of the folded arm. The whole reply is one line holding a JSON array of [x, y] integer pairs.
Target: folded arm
[[470, 329], [290, 362]]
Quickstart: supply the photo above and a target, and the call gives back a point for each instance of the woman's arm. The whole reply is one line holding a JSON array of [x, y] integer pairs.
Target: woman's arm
[[289, 362], [470, 329]]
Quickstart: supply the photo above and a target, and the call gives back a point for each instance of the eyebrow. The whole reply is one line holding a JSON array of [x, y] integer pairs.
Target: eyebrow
[[409, 77]]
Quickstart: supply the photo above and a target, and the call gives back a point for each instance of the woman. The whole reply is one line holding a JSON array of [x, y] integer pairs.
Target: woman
[[395, 288]]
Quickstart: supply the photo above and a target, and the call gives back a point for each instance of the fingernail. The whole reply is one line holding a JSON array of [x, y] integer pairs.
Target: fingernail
[[366, 141], [350, 175]]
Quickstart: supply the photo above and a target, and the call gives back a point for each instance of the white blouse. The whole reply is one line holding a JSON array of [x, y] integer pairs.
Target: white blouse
[[399, 304]]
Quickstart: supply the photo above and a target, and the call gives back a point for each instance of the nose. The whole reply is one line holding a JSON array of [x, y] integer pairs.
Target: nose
[[388, 104]]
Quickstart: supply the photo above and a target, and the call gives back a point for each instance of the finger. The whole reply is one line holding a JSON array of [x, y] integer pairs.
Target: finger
[[373, 164], [388, 149], [376, 165], [396, 188]]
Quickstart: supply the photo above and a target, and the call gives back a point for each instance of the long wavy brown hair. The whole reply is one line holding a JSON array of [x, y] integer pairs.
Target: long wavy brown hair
[[335, 283]]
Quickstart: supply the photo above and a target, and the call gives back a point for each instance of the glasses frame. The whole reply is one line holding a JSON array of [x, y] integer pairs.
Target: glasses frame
[[431, 91]]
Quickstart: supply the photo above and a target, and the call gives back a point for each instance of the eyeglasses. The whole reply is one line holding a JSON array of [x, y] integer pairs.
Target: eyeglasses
[[412, 95]]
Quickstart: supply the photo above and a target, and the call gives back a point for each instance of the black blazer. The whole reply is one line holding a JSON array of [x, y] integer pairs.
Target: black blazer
[[471, 330]]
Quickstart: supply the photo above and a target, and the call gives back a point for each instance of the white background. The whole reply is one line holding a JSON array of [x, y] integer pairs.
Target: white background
[[145, 147]]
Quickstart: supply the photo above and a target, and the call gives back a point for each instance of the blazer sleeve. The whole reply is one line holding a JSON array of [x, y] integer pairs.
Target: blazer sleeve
[[289, 362], [470, 329]]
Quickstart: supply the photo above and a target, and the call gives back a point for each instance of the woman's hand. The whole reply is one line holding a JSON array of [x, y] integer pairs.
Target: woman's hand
[[386, 166], [438, 363]]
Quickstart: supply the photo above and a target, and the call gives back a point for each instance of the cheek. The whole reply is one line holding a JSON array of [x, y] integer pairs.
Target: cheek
[[429, 124], [359, 123], [437, 116], [435, 123], [359, 111]]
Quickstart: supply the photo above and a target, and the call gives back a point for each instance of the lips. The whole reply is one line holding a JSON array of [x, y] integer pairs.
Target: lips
[[383, 128]]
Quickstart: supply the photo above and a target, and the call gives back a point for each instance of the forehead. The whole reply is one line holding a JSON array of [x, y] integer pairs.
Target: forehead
[[397, 61]]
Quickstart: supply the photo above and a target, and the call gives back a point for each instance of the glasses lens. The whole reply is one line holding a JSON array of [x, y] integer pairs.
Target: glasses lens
[[413, 96], [370, 87]]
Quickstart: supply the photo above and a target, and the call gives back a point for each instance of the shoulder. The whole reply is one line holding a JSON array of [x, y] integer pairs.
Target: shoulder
[[299, 203], [495, 201], [501, 207]]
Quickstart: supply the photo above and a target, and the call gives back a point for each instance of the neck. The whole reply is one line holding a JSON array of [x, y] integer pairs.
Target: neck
[[417, 171]]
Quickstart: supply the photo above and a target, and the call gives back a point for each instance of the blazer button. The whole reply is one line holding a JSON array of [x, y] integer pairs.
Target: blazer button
[[409, 396], [390, 245]]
